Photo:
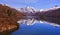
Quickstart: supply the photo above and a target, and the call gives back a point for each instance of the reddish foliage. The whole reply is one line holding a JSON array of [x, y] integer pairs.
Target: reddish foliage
[[8, 18]]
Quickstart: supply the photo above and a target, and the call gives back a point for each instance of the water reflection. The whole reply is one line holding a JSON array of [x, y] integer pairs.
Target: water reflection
[[37, 29]]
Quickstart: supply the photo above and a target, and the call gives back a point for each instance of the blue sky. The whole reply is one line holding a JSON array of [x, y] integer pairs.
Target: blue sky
[[38, 4]]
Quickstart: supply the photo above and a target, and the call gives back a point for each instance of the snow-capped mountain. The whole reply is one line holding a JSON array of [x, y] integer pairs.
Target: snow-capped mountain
[[28, 9], [33, 10]]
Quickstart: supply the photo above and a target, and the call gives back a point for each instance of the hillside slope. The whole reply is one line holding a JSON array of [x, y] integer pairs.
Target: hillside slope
[[8, 19]]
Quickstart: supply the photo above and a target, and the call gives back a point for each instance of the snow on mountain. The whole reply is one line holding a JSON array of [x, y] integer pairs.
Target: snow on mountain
[[53, 8], [33, 10], [28, 9]]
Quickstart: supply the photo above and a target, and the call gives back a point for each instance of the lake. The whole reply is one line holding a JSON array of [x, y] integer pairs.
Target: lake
[[37, 29]]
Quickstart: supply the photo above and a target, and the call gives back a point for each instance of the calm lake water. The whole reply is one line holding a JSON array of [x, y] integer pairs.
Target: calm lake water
[[37, 29]]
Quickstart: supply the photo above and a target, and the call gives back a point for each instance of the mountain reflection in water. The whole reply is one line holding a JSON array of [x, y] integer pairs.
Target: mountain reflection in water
[[37, 29]]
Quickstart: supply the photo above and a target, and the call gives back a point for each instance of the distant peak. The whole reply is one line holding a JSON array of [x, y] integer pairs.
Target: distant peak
[[53, 8], [28, 9]]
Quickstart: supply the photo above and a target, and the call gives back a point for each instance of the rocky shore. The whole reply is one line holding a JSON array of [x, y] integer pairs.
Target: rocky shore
[[8, 19], [7, 26]]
